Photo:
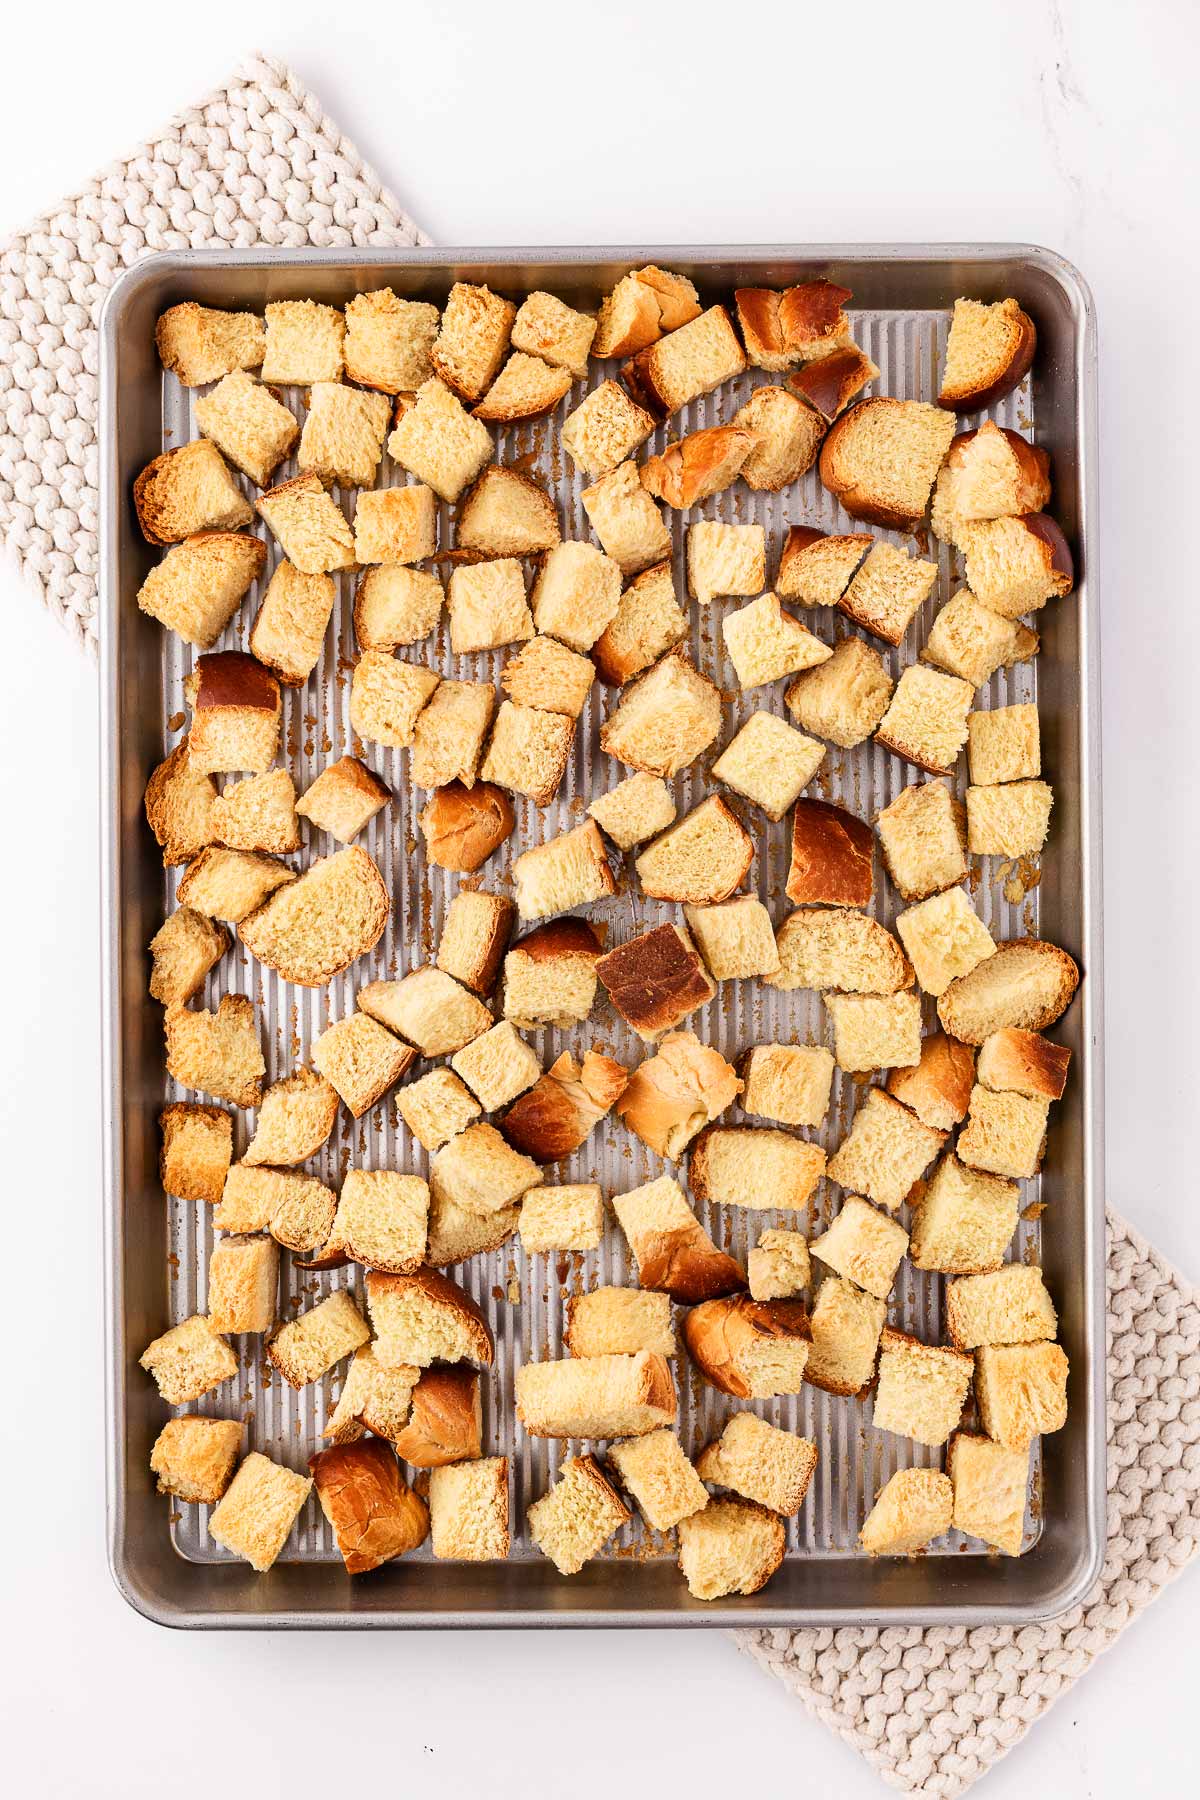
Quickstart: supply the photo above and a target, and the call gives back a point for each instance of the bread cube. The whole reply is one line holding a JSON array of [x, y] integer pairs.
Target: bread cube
[[1015, 565], [394, 606], [258, 813], [255, 1516], [1008, 1306], [760, 1462], [382, 1220], [923, 836], [472, 339], [643, 305], [439, 442], [761, 1169], [921, 1390], [395, 525], [617, 1321], [968, 639], [686, 363], [342, 439], [468, 1510], [199, 344], [700, 464], [863, 1246], [569, 870], [703, 858], [427, 1008], [487, 606], [455, 1234], [188, 1360], [731, 1547], [248, 424], [436, 1108], [483, 1174], [312, 529], [846, 1323], [636, 809], [965, 1220], [374, 1514], [778, 1267], [655, 1471], [547, 327], [184, 948], [625, 519], [938, 1090], [911, 1509], [887, 591], [344, 799], [386, 695], [787, 435], [673, 1252], [568, 1217], [990, 1487], [1009, 821], [297, 1210], [725, 559], [1021, 1391], [832, 861], [311, 1343], [765, 643], [595, 1396], [547, 675], [317, 926], [525, 388], [506, 513], [736, 938], [193, 1458], [885, 1151], [1023, 1062], [199, 584], [576, 594], [988, 353], [528, 751], [815, 568], [799, 324], [875, 1031], [295, 1118], [1005, 1134], [926, 721], [880, 460], [197, 1146], [648, 622], [388, 341], [569, 1100], [844, 698], [243, 1284], [188, 492], [604, 429], [789, 1083], [573, 1522], [666, 720], [217, 1052], [361, 1061], [769, 763], [475, 935], [372, 1398], [497, 1066], [449, 734], [1004, 745], [654, 981], [840, 948], [231, 884], [550, 974], [945, 938], [304, 343], [1027, 983]]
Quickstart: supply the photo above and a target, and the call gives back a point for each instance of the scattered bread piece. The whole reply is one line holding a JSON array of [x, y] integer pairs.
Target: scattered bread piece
[[703, 858], [388, 341], [965, 1220], [361, 1060], [188, 491], [595, 1396], [751, 1349], [886, 1150], [839, 948], [218, 1052], [236, 713], [437, 1107], [846, 1324], [312, 529], [910, 1510], [572, 1523], [880, 459], [344, 799], [768, 763], [1027, 982], [988, 353], [764, 643], [924, 840], [832, 857], [304, 343], [297, 1210], [475, 328], [395, 606], [550, 974], [945, 938], [372, 1398], [188, 1360], [567, 1217], [525, 388], [1015, 565], [815, 568], [193, 1458], [703, 463], [560, 1112], [887, 592], [990, 1485], [638, 808], [789, 1083], [760, 1462], [463, 826], [254, 1517], [833, 381], [1022, 1062], [243, 1284], [528, 751], [618, 1321], [382, 1220], [732, 1547], [199, 584], [971, 641], [1008, 1306], [568, 870], [197, 1147], [786, 436], [386, 696], [1021, 1391], [760, 1169], [656, 980], [875, 1031], [1005, 1133], [795, 325], [468, 1510], [626, 520], [449, 734], [844, 698], [643, 306], [248, 423], [546, 326], [456, 1234], [487, 606], [342, 439], [296, 1116], [673, 1252], [184, 948], [655, 1471], [199, 344], [438, 441], [475, 934], [926, 720], [374, 1513], [424, 1318], [179, 802], [778, 1267], [735, 937], [649, 621], [482, 1173], [1004, 745], [604, 429], [317, 1338], [546, 674], [317, 926], [938, 1090], [506, 513], [922, 1388], [395, 524], [725, 559], [1012, 820], [863, 1246], [991, 473], [576, 594], [671, 1096], [666, 720], [427, 1008], [497, 1066], [686, 363], [445, 1424], [258, 813]]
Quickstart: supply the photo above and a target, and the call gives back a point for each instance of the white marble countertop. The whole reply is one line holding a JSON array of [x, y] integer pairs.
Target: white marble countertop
[[1069, 125]]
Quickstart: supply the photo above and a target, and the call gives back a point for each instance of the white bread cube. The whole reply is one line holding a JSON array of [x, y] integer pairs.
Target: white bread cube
[[288, 633], [361, 1061], [483, 1174], [618, 1321], [1023, 1062], [258, 813], [844, 698], [1004, 745], [945, 938], [630, 527], [199, 584], [1009, 821], [1015, 565], [546, 326], [880, 459], [735, 938], [926, 720], [382, 1220], [778, 1267], [188, 491], [569, 870], [528, 751], [243, 1284], [572, 1523], [815, 568], [184, 948], [295, 1118], [304, 343], [703, 858], [344, 799], [921, 1388], [310, 1344], [255, 1515], [886, 1150], [342, 439], [475, 935], [725, 559], [636, 809], [846, 1325], [231, 884], [487, 606], [789, 1083], [875, 1031], [787, 435], [550, 974], [197, 1147], [988, 353], [567, 1217], [472, 339], [312, 529], [576, 594], [424, 1318], [765, 643], [698, 465], [437, 1107], [938, 1090], [193, 1458], [372, 1398], [497, 1066], [506, 513], [677, 1091], [449, 733], [438, 441], [965, 1220], [649, 621], [968, 639], [217, 1053], [545, 674], [732, 1547], [990, 1485], [1007, 1306], [388, 341], [839, 948], [199, 344], [686, 363], [604, 429], [673, 1252], [248, 424], [643, 305], [660, 1478], [427, 1008], [924, 840], [762, 1169], [655, 980], [386, 696], [395, 525], [1021, 1391], [1005, 1133], [760, 1462], [236, 714], [910, 1510], [768, 763], [188, 1360], [297, 1210], [595, 1396], [863, 1246], [468, 1510], [666, 720], [887, 591]]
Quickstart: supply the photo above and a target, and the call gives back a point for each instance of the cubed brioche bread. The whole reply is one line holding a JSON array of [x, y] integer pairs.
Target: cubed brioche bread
[[258, 813], [655, 1471], [427, 1008], [249, 424], [497, 1066], [525, 388], [768, 763], [990, 473], [297, 1210], [317, 1338], [604, 429], [815, 567], [1008, 1306], [785, 437], [990, 1486], [449, 734], [945, 938], [886, 1150], [546, 326], [481, 1172], [576, 594], [395, 605], [863, 1246], [1023, 1062], [550, 974], [438, 441], [618, 1321], [673, 1252], [703, 463], [760, 1462], [179, 801], [566, 1217], [313, 532], [666, 720], [236, 709], [764, 643], [425, 1318], [887, 592], [304, 343], [1027, 983], [463, 826], [188, 1360], [548, 675], [926, 718], [255, 1515], [374, 1513], [344, 799], [636, 809], [832, 861], [231, 884], [468, 1510], [725, 559], [910, 1510], [1004, 744], [382, 1220], [839, 948], [444, 1423], [881, 457], [193, 1458], [217, 1053], [846, 1323], [437, 1107], [844, 698], [295, 1117], [751, 1349], [702, 859], [988, 352], [395, 524], [923, 836], [1021, 1391], [388, 341], [568, 870], [317, 926], [731, 1547], [648, 622], [596, 1396], [560, 1111], [528, 750], [199, 584], [831, 382], [197, 1147], [472, 338], [572, 1523], [198, 344], [686, 363], [371, 1398], [455, 1234], [922, 1388], [243, 1284], [475, 934], [938, 1089], [788, 1083], [506, 513], [1005, 1133], [342, 439], [643, 305], [676, 1092], [184, 948], [735, 937], [1011, 820], [965, 1220], [1014, 566], [798, 324], [656, 980], [778, 1267], [971, 641], [626, 520], [760, 1168], [387, 695]]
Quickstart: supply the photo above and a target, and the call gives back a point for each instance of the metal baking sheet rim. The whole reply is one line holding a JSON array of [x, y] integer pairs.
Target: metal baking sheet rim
[[959, 264]]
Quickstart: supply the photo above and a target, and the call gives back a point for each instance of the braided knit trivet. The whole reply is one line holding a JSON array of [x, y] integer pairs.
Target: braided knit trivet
[[933, 1710], [256, 163]]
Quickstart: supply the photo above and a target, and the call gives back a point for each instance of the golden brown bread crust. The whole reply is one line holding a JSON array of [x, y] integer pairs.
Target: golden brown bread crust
[[832, 855], [698, 465], [463, 826], [1027, 1063], [1019, 363], [719, 1331], [444, 1423], [1033, 465], [938, 1088], [685, 1084], [561, 937], [374, 1513], [443, 1292], [1055, 549], [832, 382], [640, 373], [559, 1112], [687, 1265], [180, 839], [856, 504], [800, 321], [231, 678], [655, 980]]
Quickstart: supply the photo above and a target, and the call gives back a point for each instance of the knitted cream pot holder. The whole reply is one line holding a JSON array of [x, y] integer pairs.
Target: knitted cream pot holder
[[259, 163]]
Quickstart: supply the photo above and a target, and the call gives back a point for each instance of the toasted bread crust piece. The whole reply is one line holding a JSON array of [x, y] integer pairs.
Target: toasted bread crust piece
[[938, 1089], [881, 457], [506, 513], [643, 306], [723, 1335], [186, 491], [698, 465], [1027, 983], [792, 325], [673, 1094], [832, 857], [559, 1112], [449, 1311], [832, 382], [374, 1513], [445, 1422], [685, 364], [463, 826], [656, 980], [217, 1053], [673, 1252], [317, 926], [978, 373]]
